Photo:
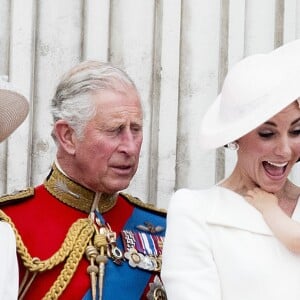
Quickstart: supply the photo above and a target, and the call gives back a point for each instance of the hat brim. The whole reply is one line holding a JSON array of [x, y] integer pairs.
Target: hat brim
[[214, 132], [14, 108]]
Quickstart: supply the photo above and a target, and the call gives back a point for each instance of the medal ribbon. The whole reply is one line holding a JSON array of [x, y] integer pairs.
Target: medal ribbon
[[115, 287]]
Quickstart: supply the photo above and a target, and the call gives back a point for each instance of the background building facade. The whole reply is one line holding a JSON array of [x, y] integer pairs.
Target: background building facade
[[177, 52]]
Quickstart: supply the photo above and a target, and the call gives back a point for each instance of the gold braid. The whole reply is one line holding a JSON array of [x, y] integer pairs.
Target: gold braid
[[73, 247], [71, 264]]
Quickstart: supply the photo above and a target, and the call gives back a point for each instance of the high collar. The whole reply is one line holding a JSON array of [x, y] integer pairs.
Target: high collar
[[232, 210], [75, 195]]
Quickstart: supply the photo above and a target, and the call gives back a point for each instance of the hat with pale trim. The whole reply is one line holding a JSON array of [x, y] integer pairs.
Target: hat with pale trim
[[254, 90], [13, 108]]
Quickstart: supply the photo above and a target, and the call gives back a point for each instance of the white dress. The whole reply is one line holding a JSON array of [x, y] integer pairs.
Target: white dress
[[218, 247], [9, 276]]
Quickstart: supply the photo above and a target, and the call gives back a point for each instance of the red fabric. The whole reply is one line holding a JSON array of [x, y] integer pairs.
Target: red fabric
[[43, 222]]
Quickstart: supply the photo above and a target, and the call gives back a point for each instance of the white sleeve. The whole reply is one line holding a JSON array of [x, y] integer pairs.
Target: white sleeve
[[188, 268], [9, 275]]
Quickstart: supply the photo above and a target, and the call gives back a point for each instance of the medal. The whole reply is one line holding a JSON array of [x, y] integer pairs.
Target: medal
[[157, 291], [142, 250]]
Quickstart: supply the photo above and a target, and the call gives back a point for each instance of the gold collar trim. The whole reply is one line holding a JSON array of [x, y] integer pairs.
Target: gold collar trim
[[74, 194]]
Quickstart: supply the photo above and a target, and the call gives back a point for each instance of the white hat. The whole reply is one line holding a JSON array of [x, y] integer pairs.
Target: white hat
[[254, 90], [13, 108]]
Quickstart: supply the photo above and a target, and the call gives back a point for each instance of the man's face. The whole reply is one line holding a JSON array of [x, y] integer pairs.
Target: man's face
[[107, 156]]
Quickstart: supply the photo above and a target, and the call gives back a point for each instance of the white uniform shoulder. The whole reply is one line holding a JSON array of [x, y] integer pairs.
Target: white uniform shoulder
[[6, 231], [9, 277]]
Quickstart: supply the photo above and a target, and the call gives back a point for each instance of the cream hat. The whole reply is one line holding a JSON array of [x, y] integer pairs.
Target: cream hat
[[13, 108], [254, 90]]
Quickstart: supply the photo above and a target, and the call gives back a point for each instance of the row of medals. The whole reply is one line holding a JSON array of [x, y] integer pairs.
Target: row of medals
[[135, 258], [150, 262]]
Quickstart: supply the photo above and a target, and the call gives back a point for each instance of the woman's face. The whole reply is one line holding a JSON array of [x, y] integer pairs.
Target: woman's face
[[267, 154]]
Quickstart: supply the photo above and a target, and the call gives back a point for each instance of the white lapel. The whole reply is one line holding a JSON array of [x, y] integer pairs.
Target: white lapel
[[232, 210]]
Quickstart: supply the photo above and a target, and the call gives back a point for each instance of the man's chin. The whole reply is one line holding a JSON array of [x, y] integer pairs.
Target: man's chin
[[112, 189]]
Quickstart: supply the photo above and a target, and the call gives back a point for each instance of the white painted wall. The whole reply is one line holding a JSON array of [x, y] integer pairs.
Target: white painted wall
[[177, 52]]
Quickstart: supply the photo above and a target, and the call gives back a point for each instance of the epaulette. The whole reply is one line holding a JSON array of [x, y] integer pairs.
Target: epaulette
[[137, 202], [16, 196]]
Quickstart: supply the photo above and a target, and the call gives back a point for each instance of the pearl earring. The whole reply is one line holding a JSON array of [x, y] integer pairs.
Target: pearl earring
[[233, 146]]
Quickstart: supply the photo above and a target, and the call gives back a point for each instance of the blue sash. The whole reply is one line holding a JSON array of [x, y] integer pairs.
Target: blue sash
[[124, 282]]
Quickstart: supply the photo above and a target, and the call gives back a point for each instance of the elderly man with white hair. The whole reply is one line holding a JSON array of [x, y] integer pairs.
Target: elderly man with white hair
[[80, 237]]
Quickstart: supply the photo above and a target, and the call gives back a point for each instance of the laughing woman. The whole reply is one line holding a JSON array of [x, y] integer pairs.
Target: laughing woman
[[13, 111], [217, 245]]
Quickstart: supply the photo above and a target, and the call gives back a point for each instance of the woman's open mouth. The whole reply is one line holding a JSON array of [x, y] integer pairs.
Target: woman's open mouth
[[275, 169]]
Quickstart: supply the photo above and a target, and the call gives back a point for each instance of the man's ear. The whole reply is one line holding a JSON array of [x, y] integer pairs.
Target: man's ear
[[65, 135]]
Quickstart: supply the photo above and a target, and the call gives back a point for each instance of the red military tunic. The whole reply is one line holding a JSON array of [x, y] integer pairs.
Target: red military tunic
[[43, 218]]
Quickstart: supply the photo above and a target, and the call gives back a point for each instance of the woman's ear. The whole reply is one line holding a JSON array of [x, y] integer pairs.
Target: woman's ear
[[66, 136]]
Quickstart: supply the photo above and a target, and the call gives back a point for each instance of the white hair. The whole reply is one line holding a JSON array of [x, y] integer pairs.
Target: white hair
[[72, 101]]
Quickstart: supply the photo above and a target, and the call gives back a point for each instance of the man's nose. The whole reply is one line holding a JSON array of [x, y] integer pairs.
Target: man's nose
[[129, 142]]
